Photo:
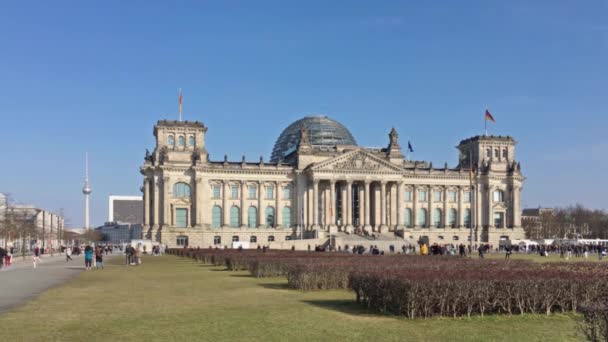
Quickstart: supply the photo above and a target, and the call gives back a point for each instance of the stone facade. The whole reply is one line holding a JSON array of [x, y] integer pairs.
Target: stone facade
[[312, 191]]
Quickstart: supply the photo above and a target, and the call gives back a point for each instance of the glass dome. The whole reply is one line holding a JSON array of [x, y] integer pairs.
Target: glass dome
[[323, 132]]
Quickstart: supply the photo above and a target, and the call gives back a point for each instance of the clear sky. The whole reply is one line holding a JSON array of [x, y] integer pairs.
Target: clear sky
[[95, 76]]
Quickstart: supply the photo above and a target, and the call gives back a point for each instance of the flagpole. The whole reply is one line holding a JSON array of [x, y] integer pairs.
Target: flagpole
[[180, 104], [471, 197]]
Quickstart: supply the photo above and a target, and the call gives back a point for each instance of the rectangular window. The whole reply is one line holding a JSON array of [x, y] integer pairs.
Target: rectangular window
[[217, 240], [269, 192], [252, 192], [422, 196], [234, 191], [181, 217], [408, 196], [498, 220], [467, 196], [437, 196], [453, 196], [235, 238], [216, 191], [286, 193]]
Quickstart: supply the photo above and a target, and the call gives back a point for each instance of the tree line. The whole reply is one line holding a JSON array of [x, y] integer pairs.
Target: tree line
[[568, 223]]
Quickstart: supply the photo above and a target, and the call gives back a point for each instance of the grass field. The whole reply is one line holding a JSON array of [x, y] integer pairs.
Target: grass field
[[170, 299]]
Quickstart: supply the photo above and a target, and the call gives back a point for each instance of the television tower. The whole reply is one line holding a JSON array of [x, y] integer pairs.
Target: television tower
[[86, 190]]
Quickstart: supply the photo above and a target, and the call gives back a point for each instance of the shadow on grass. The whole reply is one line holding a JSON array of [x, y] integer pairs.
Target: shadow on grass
[[275, 286], [242, 275], [341, 305]]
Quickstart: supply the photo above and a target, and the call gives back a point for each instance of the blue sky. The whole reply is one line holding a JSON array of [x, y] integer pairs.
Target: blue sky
[[94, 76]]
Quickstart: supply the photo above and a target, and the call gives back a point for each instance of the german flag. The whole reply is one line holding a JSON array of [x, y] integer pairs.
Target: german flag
[[489, 117]]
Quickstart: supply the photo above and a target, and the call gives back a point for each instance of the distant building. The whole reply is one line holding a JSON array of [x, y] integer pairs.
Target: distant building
[[117, 232], [126, 209], [35, 226]]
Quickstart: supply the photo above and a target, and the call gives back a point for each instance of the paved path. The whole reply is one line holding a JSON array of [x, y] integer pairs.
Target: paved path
[[21, 282]]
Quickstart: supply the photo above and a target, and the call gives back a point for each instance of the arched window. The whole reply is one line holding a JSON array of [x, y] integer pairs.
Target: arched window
[[437, 217], [235, 217], [499, 196], [181, 140], [422, 217], [286, 217], [216, 216], [488, 153], [452, 217], [170, 140], [269, 214], [407, 217], [252, 217], [181, 190], [505, 154], [467, 218], [270, 238], [191, 140]]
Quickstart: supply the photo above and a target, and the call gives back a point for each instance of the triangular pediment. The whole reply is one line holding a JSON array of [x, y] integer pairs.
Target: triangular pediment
[[357, 160]]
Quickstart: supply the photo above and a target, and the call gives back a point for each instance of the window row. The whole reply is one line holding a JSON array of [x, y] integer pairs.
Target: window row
[[252, 217], [437, 196], [437, 219], [217, 240], [181, 140], [505, 153], [182, 190], [252, 192], [497, 196]]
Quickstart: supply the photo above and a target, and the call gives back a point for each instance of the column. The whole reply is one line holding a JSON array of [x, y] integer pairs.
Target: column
[[260, 209], [367, 197], [361, 205], [146, 202], [156, 181], [349, 206], [244, 212], [459, 216], [446, 191], [399, 206], [414, 206], [225, 209], [489, 208], [429, 212], [166, 203], [278, 214], [382, 207], [516, 206], [332, 206], [198, 203], [315, 204]]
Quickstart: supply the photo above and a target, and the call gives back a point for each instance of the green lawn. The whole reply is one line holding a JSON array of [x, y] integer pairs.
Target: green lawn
[[171, 299]]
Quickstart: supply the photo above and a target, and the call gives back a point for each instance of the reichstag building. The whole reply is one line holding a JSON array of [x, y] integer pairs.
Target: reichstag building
[[320, 184]]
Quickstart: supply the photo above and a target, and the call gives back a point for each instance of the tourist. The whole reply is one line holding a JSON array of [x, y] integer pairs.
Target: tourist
[[508, 252], [128, 255], [2, 255], [136, 254], [480, 250], [68, 254], [99, 258], [88, 257], [36, 256], [8, 258]]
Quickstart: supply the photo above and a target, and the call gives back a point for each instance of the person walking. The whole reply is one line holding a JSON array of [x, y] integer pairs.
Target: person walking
[[68, 254], [36, 256], [88, 257], [8, 258], [128, 255], [136, 254], [99, 258], [2, 258]]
